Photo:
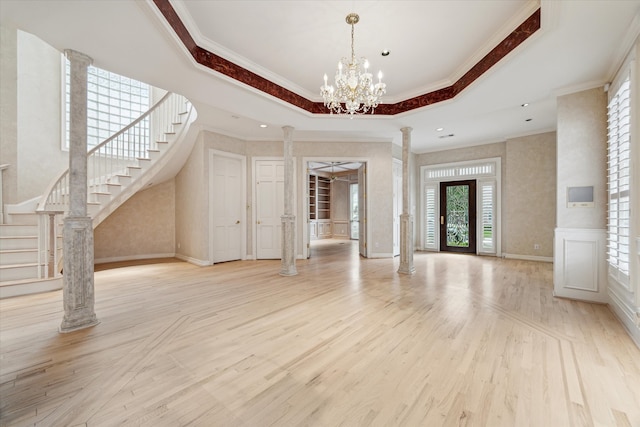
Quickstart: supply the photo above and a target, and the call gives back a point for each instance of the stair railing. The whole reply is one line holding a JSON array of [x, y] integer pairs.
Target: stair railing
[[110, 158], [124, 148]]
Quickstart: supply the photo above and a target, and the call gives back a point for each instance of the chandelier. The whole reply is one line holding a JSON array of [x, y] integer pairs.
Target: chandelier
[[354, 92]]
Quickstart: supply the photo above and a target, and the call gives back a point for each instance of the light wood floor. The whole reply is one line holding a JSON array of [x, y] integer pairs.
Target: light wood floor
[[465, 341]]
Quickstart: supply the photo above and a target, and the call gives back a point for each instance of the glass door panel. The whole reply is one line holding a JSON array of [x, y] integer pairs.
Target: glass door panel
[[458, 216]]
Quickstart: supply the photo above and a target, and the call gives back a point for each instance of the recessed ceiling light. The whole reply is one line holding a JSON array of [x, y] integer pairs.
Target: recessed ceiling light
[[263, 126], [439, 129], [385, 52], [526, 104]]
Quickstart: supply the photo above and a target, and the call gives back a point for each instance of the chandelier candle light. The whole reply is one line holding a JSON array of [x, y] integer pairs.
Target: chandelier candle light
[[355, 92]]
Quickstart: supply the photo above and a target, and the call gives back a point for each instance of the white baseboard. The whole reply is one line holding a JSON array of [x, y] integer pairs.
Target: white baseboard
[[195, 261], [381, 255], [578, 296], [134, 257], [627, 315], [528, 257]]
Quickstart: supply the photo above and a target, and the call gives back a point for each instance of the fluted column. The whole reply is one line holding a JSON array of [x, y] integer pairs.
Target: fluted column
[[288, 264], [78, 286], [406, 219]]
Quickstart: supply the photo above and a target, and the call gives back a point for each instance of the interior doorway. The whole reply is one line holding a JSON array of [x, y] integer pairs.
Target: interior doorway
[[336, 208], [458, 216]]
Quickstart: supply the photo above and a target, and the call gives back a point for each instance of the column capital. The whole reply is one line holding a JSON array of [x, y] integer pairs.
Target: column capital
[[78, 57], [288, 131], [406, 130]]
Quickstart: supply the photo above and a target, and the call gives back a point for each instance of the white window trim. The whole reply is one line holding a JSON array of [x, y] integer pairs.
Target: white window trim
[[493, 176], [619, 280]]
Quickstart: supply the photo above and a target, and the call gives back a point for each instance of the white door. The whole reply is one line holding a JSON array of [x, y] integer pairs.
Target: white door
[[362, 209], [269, 190], [397, 204], [227, 207]]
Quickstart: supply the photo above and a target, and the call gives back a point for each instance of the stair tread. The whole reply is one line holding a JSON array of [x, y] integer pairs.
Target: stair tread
[[30, 264], [26, 281]]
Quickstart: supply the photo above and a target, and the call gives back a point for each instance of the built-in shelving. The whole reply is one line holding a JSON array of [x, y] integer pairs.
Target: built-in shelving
[[319, 207], [323, 199]]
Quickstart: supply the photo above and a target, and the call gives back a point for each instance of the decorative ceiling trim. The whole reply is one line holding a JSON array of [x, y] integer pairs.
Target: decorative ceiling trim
[[236, 72]]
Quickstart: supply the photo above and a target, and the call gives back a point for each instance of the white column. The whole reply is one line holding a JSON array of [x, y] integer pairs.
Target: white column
[[406, 219], [78, 286], [288, 265]]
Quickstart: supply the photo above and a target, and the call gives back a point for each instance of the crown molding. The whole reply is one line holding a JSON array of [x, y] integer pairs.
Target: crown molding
[[252, 79]]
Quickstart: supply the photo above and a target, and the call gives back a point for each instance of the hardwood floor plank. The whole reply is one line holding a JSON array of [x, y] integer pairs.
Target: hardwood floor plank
[[467, 340]]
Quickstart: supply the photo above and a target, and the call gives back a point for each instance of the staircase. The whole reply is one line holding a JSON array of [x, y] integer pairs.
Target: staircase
[[31, 236]]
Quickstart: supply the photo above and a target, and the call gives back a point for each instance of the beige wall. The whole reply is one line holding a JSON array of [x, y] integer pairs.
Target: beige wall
[[340, 199], [528, 189], [192, 188], [530, 195], [498, 149], [582, 154], [142, 227], [9, 112], [192, 206], [380, 191], [31, 115]]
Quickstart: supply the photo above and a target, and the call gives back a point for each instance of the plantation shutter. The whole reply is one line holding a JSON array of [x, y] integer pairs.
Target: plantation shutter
[[487, 205], [431, 224], [619, 114]]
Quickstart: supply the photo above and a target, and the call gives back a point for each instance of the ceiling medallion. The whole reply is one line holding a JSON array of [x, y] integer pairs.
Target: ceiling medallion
[[354, 92]]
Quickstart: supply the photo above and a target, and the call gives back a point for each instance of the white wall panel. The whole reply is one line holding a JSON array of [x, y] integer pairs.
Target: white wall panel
[[580, 267]]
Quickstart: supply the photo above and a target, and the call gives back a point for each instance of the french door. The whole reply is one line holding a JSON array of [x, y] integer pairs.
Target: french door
[[458, 216]]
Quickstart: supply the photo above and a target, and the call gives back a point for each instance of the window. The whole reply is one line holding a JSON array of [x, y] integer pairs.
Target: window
[[618, 232], [430, 205], [113, 101], [487, 207]]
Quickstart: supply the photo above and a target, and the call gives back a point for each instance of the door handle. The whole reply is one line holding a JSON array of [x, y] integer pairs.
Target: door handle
[[238, 222], [258, 222], [441, 219]]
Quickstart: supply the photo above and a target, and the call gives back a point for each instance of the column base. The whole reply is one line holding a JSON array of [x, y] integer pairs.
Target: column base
[[406, 245], [78, 285], [75, 325], [288, 265]]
